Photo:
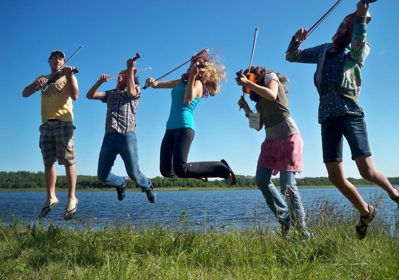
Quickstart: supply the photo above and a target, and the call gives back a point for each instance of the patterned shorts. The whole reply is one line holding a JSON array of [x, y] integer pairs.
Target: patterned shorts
[[56, 143]]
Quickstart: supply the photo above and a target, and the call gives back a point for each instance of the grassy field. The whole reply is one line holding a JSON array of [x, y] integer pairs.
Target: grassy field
[[155, 252]]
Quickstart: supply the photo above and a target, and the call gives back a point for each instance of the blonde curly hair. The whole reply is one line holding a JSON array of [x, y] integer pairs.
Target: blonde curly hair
[[215, 72]]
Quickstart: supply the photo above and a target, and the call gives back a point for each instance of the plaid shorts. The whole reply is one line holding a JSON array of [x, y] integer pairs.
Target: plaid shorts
[[56, 142]]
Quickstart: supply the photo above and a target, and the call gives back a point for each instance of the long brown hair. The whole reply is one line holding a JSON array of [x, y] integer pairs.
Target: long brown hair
[[260, 73]]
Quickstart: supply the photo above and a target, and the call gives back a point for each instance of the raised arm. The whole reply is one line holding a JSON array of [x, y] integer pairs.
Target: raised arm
[[167, 84], [194, 86], [131, 85], [268, 92], [72, 82], [93, 93]]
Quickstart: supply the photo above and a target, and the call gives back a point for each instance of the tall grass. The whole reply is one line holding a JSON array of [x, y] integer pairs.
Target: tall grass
[[156, 252]]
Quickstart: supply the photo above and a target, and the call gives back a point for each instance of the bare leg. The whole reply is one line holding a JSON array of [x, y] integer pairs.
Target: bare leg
[[71, 175], [337, 177], [368, 172], [51, 177]]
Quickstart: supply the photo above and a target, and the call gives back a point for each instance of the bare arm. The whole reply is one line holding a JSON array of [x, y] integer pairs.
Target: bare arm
[[167, 84], [131, 85], [72, 82], [93, 93], [194, 86], [269, 92], [243, 104], [33, 87]]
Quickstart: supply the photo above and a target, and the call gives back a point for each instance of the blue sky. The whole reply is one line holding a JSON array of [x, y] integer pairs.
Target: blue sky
[[167, 33]]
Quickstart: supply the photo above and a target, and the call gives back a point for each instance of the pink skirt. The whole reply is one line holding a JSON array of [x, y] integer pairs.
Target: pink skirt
[[283, 154]]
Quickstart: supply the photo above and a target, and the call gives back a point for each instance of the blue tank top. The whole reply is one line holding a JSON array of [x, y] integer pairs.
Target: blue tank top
[[181, 115]]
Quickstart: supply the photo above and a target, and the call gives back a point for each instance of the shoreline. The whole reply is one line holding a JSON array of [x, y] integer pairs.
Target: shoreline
[[160, 189]]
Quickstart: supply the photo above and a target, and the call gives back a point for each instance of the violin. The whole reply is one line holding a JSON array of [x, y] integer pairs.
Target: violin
[[123, 81], [60, 72], [345, 31], [185, 76], [57, 75], [203, 52], [251, 77]]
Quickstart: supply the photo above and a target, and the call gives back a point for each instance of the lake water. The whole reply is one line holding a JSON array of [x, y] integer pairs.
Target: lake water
[[219, 209]]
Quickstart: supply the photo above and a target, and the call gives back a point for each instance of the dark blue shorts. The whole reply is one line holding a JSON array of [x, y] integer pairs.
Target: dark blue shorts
[[355, 132]]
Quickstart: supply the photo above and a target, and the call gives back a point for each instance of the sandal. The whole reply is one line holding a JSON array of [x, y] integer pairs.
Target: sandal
[[363, 225], [47, 209], [69, 214]]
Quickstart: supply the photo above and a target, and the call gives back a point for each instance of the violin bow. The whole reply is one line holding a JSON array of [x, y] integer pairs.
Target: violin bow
[[321, 20], [191, 59], [65, 62], [140, 70], [58, 70], [252, 55]]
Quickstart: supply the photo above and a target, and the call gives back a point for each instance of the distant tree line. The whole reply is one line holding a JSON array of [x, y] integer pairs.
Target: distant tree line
[[30, 180]]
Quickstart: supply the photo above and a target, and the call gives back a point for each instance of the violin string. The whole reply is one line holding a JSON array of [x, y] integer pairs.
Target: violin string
[[191, 59]]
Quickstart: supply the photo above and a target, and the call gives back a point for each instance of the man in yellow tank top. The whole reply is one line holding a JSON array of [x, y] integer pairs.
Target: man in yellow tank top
[[58, 90]]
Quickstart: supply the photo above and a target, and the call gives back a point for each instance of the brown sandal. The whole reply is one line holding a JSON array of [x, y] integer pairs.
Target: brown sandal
[[363, 225]]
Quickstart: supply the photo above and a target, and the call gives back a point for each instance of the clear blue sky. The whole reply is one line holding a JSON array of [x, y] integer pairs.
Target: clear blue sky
[[167, 33]]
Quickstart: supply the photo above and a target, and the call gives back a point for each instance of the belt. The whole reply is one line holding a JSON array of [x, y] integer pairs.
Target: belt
[[53, 122]]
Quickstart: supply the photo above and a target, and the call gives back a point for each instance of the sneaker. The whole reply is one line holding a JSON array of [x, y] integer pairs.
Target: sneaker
[[122, 189], [285, 229], [151, 194]]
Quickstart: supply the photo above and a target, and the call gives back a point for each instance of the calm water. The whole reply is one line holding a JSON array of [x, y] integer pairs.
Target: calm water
[[211, 209]]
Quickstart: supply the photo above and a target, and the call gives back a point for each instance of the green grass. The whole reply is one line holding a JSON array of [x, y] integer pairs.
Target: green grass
[[156, 252]]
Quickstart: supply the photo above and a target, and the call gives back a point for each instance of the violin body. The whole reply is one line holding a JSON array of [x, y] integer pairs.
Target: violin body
[[60, 73], [251, 77]]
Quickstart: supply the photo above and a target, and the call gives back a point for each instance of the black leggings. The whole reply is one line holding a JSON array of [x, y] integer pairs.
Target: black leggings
[[174, 152]]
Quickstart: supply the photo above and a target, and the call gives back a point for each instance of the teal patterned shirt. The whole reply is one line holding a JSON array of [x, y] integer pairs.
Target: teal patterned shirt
[[337, 79]]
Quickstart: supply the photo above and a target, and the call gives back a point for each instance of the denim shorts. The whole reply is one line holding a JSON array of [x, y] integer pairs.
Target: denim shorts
[[355, 132]]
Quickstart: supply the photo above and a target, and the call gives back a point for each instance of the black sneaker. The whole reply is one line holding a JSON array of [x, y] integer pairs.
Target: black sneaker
[[151, 195], [122, 189], [285, 229]]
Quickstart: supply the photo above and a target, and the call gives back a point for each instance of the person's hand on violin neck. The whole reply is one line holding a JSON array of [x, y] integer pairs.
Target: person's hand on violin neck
[[131, 63], [242, 80], [195, 71], [68, 71], [362, 8], [300, 35]]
